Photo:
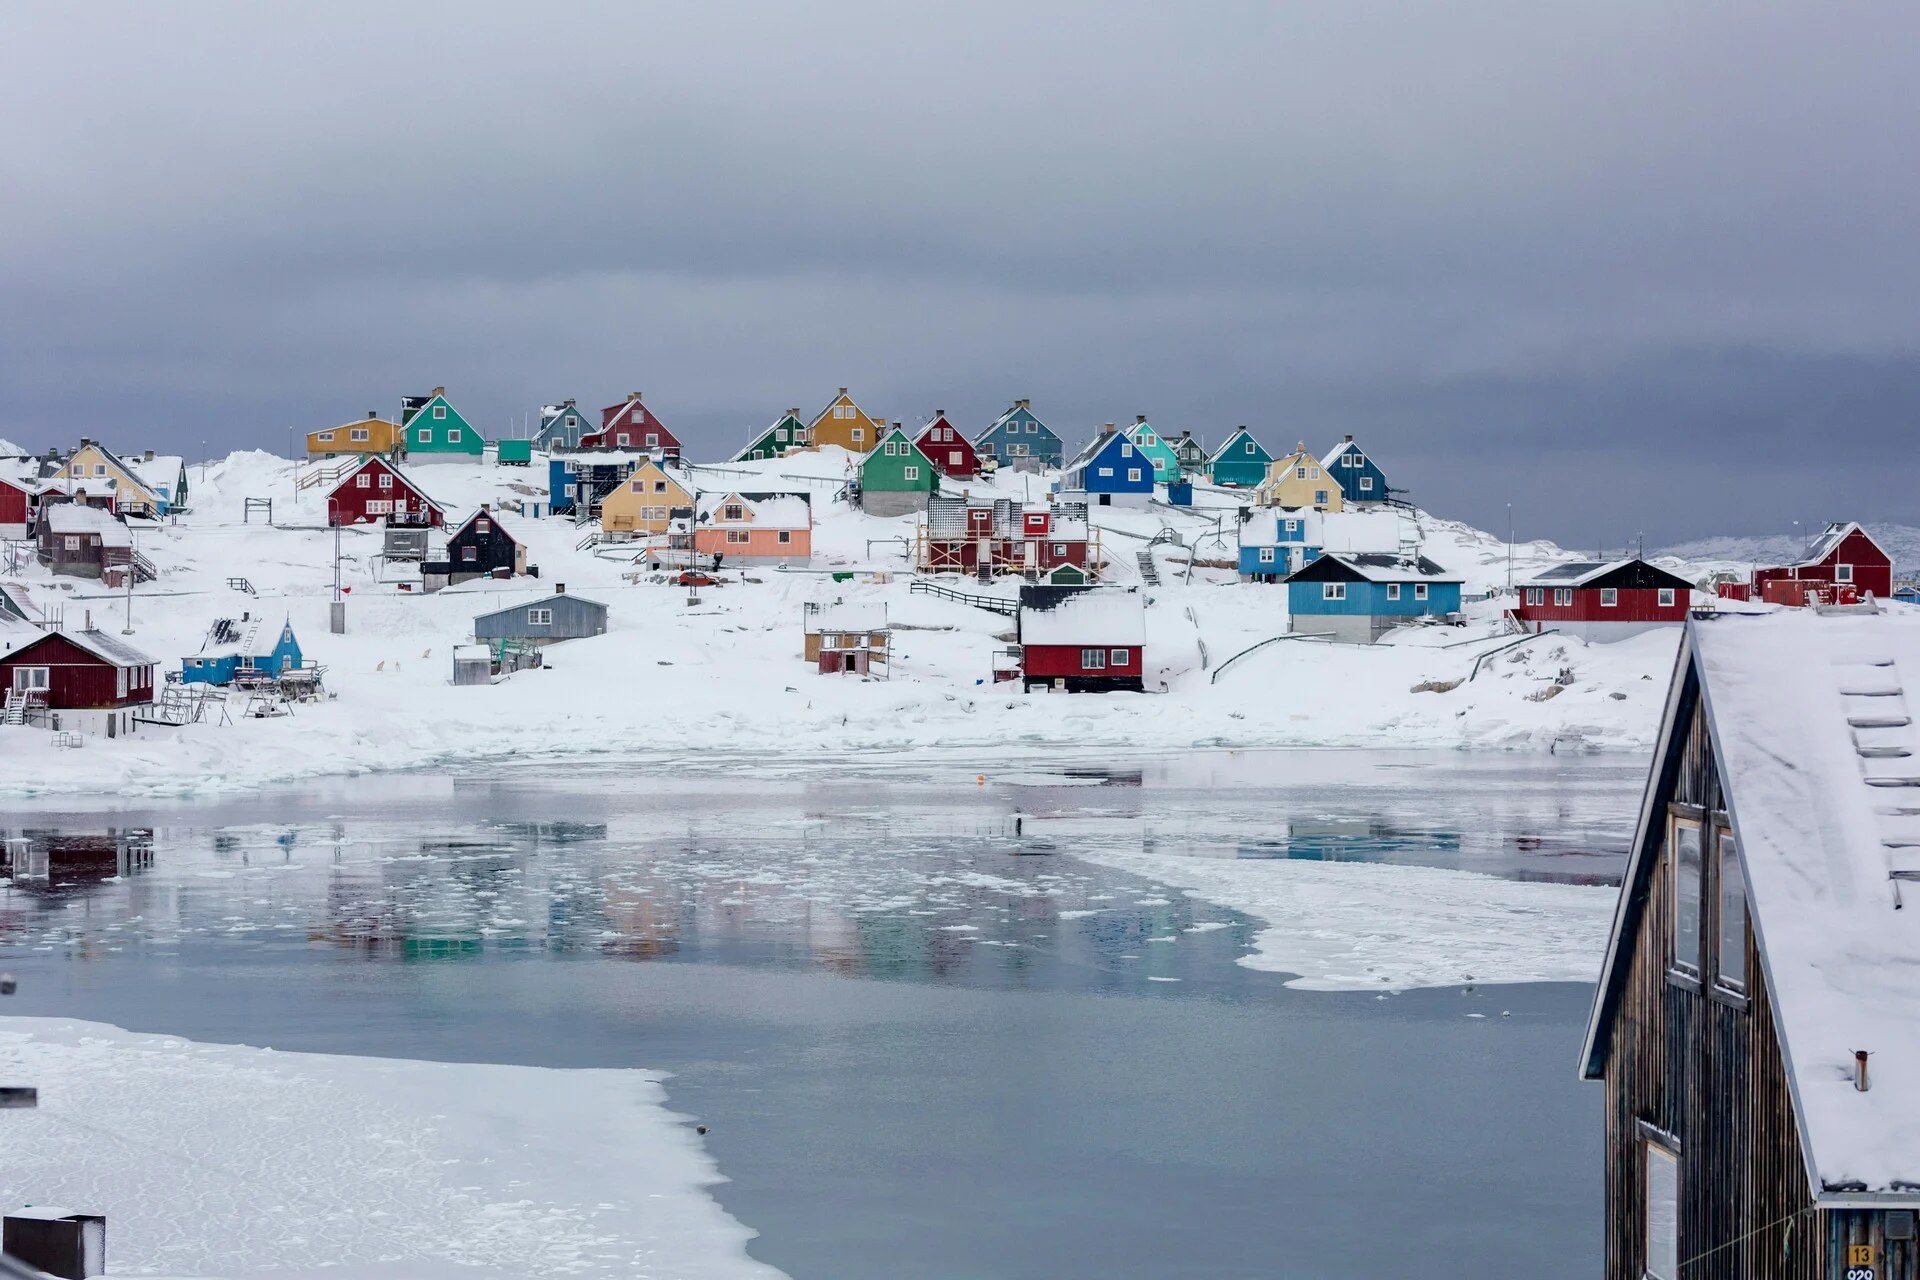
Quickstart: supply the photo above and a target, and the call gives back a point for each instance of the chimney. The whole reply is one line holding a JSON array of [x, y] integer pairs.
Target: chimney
[[1860, 1070], [373, 415], [1139, 417], [1863, 1057], [843, 391], [1349, 439], [1024, 404], [439, 391], [148, 457], [568, 402], [939, 413], [794, 412], [483, 508], [633, 397], [1107, 430], [559, 588]]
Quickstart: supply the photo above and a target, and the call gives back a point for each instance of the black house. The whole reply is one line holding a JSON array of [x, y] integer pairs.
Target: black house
[[481, 548]]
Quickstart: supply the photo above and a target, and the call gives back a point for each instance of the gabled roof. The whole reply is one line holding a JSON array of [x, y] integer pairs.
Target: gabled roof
[[78, 517], [1631, 572], [109, 649], [1810, 721], [1829, 542], [1346, 443], [126, 468], [1092, 451], [1015, 412], [535, 601], [375, 460], [768, 510], [846, 615], [489, 514], [1371, 567], [838, 396], [1238, 435]]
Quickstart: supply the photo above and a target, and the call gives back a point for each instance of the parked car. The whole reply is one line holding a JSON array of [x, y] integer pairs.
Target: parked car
[[695, 578]]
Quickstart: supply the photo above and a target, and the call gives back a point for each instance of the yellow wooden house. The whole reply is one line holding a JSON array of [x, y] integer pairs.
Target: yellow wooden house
[[643, 504], [372, 434], [98, 469], [1298, 480], [846, 424]]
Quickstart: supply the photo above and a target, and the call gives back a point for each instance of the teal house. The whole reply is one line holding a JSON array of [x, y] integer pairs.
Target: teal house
[[1242, 461], [225, 656], [785, 435], [896, 478], [435, 431], [1359, 598], [1020, 440], [1166, 466]]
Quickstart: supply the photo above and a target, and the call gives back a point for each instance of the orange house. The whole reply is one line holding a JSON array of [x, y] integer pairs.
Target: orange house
[[749, 528], [846, 424]]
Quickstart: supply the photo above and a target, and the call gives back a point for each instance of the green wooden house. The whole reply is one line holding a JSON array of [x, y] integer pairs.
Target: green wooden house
[[896, 478], [1190, 454], [1242, 461], [1166, 467], [784, 436], [435, 431]]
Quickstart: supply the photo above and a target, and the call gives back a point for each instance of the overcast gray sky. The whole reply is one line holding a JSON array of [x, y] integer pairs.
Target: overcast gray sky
[[1632, 267]]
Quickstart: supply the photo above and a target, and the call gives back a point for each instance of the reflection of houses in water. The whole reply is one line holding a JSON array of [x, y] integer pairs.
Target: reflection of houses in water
[[645, 916], [1351, 840], [38, 858]]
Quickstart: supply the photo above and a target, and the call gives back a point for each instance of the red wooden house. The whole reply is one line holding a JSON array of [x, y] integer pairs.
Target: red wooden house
[[1604, 601], [1006, 537], [1843, 561], [631, 425], [19, 499], [79, 682], [951, 453], [376, 490], [1082, 639]]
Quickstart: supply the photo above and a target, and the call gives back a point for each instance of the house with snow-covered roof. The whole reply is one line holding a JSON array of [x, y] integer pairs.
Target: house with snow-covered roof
[[1354, 470], [112, 478], [1109, 472], [226, 654], [849, 637], [786, 435], [78, 682], [1756, 1026], [747, 528], [1603, 601], [75, 539], [561, 426], [951, 453], [1082, 639], [1298, 480], [1018, 439], [1357, 598], [378, 490], [1191, 454], [1843, 560], [896, 478], [644, 504]]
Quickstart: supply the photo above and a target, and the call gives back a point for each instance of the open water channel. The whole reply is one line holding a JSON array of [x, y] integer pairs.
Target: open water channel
[[925, 1038]]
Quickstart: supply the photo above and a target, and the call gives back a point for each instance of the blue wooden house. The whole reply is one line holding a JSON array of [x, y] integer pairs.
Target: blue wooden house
[[1275, 542], [1110, 472], [561, 426], [1018, 439], [227, 655], [1242, 461], [1359, 598], [588, 477], [1354, 470]]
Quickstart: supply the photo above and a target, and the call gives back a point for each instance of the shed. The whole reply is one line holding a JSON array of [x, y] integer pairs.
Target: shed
[[1082, 639], [77, 681], [83, 541], [1602, 601], [847, 636], [544, 619], [1756, 1027], [515, 453], [472, 664], [1359, 598]]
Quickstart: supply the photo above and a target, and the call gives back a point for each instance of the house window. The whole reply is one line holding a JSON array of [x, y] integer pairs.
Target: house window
[[73, 541], [1731, 970], [733, 511], [910, 473], [659, 486], [1301, 472], [1266, 555], [1293, 526], [363, 481], [784, 537], [1366, 484], [1060, 548], [361, 434], [1249, 446], [829, 642], [572, 421], [622, 439], [953, 458], [1393, 591], [1319, 497], [639, 415], [1843, 573], [1662, 1214], [386, 480], [1419, 591], [326, 437], [859, 434], [1666, 597], [1333, 591], [1563, 596], [653, 438], [1683, 842], [1126, 451], [637, 486], [1105, 471], [424, 435], [375, 507], [539, 617], [1609, 597], [453, 435], [30, 679], [99, 468], [439, 411], [483, 527], [737, 536], [1133, 473], [1121, 657], [1093, 659], [469, 553], [1033, 427]]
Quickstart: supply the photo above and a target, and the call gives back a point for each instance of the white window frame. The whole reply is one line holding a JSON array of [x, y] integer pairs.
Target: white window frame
[[1266, 555], [1609, 597], [72, 541], [736, 537], [1420, 591], [1322, 496], [325, 437], [32, 679], [1105, 471], [910, 472], [1333, 591], [1666, 597], [1366, 484], [355, 434], [363, 481], [653, 439], [1660, 1195], [1563, 597], [1687, 889], [453, 435], [784, 536], [1093, 659], [386, 480], [1730, 973], [1843, 573], [424, 435], [1133, 475], [1393, 591], [439, 411], [539, 617], [1119, 657]]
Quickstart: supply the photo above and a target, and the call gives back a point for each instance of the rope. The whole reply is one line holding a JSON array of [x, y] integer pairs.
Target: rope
[[1789, 1220]]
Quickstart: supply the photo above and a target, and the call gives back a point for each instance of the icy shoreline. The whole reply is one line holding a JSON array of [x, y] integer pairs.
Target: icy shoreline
[[225, 1160]]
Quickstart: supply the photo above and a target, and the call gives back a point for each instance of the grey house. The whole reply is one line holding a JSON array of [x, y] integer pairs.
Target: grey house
[[544, 619]]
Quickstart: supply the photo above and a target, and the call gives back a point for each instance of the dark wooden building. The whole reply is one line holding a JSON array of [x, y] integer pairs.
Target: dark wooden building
[[481, 548], [77, 681], [1082, 639], [1608, 600], [1757, 1022]]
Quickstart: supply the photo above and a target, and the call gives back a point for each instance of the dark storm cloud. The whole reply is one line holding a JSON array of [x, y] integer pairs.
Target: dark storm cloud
[[1613, 265]]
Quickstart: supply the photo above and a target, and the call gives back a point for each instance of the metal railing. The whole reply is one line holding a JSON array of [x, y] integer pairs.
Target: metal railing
[[992, 604]]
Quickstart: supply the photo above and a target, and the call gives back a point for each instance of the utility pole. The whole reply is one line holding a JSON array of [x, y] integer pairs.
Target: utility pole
[[337, 612], [1509, 548], [133, 558]]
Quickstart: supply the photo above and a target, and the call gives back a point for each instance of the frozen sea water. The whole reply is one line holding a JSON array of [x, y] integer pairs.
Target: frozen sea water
[[926, 1037]]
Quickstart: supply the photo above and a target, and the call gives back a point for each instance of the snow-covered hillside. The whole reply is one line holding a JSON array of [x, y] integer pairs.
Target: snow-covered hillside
[[725, 675]]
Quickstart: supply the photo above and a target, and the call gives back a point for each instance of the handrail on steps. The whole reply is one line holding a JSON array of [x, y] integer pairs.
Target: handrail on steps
[[1511, 644], [1261, 644], [992, 604]]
